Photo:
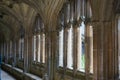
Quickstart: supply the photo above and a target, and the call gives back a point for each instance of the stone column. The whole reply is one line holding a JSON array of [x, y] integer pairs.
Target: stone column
[[104, 54], [87, 50], [25, 53], [75, 48], [113, 62], [14, 53], [51, 51], [108, 27], [37, 46], [30, 53], [17, 50], [105, 51], [1, 46], [115, 46], [65, 39], [5, 51], [97, 50], [3, 57], [46, 55], [41, 47], [113, 51]]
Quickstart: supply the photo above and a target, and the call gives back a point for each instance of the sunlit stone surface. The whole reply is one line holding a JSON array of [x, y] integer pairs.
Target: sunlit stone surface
[[6, 76]]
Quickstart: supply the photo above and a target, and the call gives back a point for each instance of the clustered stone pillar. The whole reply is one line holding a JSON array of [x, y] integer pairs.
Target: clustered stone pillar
[[25, 53], [30, 56], [103, 49], [115, 47], [5, 51], [14, 53], [51, 51], [17, 51], [99, 50]]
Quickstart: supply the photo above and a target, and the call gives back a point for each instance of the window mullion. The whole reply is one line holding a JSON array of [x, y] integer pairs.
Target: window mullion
[[41, 50], [19, 49], [34, 48], [10, 49], [65, 49], [37, 48], [43, 56], [15, 54], [75, 49], [22, 48], [7, 51], [87, 51], [91, 48], [61, 48], [70, 49]]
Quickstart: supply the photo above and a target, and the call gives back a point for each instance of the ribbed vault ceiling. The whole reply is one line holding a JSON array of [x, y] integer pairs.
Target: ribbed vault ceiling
[[16, 13]]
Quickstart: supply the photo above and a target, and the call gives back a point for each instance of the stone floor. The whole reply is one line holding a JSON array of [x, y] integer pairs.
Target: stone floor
[[6, 76]]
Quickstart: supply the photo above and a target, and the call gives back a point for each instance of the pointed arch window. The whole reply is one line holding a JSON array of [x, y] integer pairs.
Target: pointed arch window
[[75, 13], [38, 41]]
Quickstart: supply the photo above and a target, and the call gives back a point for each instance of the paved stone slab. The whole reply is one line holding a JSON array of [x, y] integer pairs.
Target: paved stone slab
[[6, 76]]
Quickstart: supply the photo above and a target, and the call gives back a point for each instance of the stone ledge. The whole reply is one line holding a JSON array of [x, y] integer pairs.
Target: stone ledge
[[25, 76]]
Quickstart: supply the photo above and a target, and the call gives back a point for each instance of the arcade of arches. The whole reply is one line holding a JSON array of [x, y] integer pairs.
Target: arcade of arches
[[60, 39]]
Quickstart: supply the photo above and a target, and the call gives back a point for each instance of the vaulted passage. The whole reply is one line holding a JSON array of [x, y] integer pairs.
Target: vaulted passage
[[60, 39]]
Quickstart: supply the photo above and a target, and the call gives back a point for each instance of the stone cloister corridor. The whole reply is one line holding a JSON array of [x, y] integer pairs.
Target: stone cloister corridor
[[60, 39]]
